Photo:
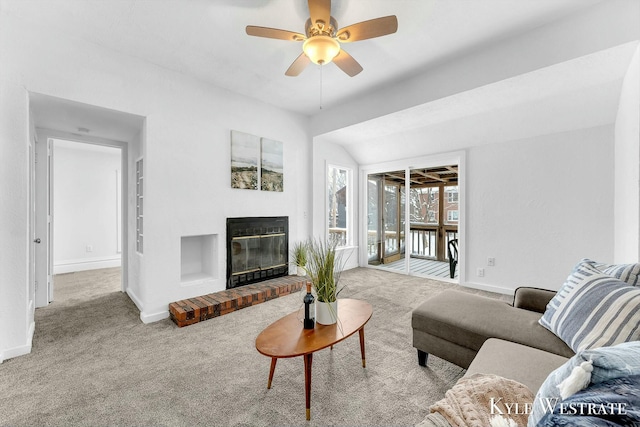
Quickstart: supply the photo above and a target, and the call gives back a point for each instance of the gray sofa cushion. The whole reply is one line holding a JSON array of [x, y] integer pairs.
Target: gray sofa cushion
[[526, 365], [468, 320]]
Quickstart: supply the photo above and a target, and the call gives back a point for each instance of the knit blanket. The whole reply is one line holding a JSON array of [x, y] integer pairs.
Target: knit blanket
[[475, 400]]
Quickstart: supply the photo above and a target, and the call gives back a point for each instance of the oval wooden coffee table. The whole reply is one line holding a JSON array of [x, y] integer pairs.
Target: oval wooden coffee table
[[287, 338]]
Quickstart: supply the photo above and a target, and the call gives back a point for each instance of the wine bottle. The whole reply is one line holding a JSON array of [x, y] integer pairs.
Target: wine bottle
[[309, 309]]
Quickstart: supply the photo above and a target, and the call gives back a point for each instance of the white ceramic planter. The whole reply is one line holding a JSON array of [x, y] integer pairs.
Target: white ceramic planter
[[326, 313]]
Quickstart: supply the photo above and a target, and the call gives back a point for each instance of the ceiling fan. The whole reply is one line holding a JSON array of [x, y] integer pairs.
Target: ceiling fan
[[322, 38]]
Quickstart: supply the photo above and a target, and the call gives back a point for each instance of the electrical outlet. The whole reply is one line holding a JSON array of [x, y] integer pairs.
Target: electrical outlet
[[89, 248], [491, 262], [481, 272]]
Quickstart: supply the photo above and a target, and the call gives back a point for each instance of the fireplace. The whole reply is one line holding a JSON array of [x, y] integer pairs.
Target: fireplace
[[257, 249]]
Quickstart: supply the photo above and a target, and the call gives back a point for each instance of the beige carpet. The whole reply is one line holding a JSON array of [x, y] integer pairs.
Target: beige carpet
[[94, 363]]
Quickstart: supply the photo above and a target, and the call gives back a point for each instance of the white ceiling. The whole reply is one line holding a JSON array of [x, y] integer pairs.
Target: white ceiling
[[576, 94], [206, 38]]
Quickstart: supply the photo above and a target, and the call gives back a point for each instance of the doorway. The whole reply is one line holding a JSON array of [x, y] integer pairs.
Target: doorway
[[57, 118], [412, 220], [86, 238]]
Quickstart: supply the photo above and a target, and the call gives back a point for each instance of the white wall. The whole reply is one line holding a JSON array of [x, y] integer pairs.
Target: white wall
[[538, 206], [627, 167], [187, 162], [85, 207], [16, 319]]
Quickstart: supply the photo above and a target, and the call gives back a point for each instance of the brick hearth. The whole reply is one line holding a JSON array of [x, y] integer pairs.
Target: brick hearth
[[197, 309]]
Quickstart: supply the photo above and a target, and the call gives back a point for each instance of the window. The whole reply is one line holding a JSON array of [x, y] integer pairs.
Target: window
[[452, 216], [452, 196], [338, 203]]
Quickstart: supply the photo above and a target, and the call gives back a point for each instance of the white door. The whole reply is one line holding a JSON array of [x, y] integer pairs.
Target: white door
[[43, 224]]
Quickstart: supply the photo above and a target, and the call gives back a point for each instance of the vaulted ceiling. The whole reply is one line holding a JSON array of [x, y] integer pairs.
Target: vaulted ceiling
[[206, 39]]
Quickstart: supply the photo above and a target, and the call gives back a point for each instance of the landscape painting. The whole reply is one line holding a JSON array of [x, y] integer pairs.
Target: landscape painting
[[272, 166], [245, 154]]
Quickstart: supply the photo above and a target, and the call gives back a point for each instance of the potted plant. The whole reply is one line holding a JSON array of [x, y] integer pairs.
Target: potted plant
[[299, 255], [323, 268]]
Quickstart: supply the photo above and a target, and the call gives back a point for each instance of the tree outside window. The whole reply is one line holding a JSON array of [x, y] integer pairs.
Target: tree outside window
[[424, 205]]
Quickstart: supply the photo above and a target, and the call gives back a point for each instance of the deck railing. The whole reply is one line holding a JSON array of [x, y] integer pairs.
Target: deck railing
[[338, 235], [423, 241]]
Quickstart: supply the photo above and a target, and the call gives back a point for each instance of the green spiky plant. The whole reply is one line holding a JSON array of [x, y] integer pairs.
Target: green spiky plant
[[324, 266], [299, 254]]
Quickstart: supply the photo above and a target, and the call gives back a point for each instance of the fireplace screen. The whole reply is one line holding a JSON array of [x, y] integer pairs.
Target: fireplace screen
[[257, 249]]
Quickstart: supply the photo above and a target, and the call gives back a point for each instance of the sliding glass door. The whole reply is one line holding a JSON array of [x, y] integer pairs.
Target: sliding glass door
[[429, 197], [385, 218]]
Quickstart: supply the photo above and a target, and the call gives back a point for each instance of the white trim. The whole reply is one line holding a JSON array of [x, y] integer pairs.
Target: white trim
[[351, 220], [489, 288], [15, 352], [23, 349], [119, 208], [153, 317], [134, 298], [454, 157], [84, 264], [124, 172], [144, 316]]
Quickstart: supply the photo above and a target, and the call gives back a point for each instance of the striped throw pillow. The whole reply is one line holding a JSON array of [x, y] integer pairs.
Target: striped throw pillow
[[629, 273], [626, 272], [593, 309]]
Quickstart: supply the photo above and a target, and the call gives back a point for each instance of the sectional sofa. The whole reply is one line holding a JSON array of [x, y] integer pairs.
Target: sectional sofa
[[541, 334]]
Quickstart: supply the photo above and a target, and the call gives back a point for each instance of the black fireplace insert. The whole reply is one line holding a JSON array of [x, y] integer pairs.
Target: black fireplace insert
[[257, 249]]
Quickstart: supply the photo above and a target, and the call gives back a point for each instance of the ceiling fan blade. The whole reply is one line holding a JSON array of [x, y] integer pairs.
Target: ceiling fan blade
[[274, 33], [346, 63], [320, 10], [298, 65], [368, 29]]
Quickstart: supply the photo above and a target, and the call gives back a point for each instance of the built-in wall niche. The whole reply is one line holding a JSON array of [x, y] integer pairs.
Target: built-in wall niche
[[198, 257]]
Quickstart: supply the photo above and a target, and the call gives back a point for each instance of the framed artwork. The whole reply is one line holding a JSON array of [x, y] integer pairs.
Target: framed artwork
[[245, 154], [271, 166], [256, 163]]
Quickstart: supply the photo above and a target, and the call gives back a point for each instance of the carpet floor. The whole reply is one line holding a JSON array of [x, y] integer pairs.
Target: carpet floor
[[94, 363]]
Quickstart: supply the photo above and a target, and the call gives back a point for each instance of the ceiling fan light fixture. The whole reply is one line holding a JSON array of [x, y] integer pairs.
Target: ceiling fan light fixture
[[321, 49], [322, 38]]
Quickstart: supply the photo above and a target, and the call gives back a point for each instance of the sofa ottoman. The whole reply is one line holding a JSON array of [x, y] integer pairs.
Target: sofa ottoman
[[454, 325], [531, 367]]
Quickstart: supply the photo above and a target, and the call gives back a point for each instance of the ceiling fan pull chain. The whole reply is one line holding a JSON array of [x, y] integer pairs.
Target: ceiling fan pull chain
[[321, 66]]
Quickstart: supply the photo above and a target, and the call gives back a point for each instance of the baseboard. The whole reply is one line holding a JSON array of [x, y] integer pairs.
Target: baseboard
[[15, 352], [134, 298], [32, 331], [153, 317], [144, 316], [489, 288], [22, 350], [73, 265]]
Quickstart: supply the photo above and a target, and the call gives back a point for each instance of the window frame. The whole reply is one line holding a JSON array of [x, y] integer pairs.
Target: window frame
[[349, 208]]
